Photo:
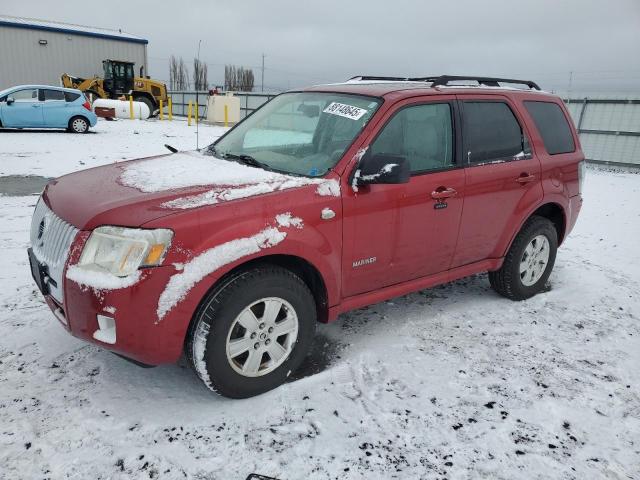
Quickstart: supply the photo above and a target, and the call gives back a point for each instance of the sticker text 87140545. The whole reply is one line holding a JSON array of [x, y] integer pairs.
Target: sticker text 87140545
[[347, 111]]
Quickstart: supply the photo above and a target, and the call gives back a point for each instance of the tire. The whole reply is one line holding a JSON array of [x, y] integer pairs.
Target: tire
[[78, 125], [510, 281], [148, 103], [216, 325]]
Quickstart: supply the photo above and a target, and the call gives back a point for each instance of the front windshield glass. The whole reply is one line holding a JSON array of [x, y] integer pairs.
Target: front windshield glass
[[303, 133]]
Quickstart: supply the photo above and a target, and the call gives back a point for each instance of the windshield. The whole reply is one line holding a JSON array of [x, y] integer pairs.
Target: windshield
[[303, 133]]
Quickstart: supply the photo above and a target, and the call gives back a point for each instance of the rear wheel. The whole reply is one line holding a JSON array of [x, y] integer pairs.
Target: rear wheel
[[529, 262], [252, 332], [78, 125]]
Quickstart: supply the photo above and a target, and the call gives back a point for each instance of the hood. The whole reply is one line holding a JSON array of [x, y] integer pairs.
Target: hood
[[136, 192]]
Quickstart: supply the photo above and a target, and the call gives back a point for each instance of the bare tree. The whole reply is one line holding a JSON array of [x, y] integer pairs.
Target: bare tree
[[200, 81], [173, 73], [238, 79]]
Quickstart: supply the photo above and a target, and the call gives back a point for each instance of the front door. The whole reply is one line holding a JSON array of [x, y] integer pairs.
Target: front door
[[25, 111], [502, 177], [396, 233]]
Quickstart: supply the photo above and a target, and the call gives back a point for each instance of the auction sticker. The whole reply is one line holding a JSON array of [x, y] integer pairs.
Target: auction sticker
[[347, 111]]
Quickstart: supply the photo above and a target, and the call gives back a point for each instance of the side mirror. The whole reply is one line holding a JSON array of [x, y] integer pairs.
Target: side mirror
[[384, 169], [10, 100]]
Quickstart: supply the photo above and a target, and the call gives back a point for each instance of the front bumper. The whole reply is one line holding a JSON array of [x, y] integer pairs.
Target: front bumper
[[138, 334]]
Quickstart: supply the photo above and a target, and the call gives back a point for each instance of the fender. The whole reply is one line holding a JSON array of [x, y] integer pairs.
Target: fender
[[559, 200], [318, 242]]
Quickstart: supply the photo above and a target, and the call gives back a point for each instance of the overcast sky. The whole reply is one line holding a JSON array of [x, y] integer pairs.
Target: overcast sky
[[332, 40]]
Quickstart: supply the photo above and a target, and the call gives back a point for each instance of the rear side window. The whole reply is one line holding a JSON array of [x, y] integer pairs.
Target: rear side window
[[553, 127], [52, 95], [492, 132], [71, 97]]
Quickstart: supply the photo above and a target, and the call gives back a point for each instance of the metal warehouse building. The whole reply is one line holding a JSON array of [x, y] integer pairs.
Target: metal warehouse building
[[38, 52]]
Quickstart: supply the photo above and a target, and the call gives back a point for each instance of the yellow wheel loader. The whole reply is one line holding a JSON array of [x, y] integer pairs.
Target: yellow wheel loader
[[118, 81]]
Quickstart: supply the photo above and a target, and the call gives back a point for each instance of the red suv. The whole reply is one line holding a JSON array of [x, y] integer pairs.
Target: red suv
[[324, 200]]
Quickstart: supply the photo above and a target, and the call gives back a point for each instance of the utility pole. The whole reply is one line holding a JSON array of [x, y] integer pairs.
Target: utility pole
[[570, 84], [262, 82]]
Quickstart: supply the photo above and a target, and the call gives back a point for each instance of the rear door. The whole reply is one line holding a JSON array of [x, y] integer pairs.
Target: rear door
[[502, 177], [25, 111], [396, 233], [55, 110]]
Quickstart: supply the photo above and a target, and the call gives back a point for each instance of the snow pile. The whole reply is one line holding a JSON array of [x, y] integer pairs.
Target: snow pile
[[287, 220], [210, 261], [199, 350], [329, 188], [100, 280]]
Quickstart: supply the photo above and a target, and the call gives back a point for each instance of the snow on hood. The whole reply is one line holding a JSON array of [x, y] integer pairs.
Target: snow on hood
[[230, 180]]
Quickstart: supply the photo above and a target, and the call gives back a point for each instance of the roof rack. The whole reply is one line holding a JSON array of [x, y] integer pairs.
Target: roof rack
[[444, 80]]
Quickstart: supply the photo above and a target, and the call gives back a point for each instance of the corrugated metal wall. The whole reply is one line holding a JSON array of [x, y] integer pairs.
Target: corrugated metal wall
[[609, 128], [24, 61]]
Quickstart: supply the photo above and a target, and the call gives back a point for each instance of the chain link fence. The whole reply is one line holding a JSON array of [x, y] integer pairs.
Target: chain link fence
[[609, 129]]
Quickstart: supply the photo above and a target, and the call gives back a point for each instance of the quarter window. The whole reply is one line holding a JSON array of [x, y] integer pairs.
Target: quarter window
[[71, 97], [553, 127], [492, 133], [423, 134]]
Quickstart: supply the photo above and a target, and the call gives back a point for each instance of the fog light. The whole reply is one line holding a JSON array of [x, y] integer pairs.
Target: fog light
[[106, 332]]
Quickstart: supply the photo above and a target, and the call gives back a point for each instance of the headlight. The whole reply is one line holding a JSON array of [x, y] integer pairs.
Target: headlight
[[121, 251]]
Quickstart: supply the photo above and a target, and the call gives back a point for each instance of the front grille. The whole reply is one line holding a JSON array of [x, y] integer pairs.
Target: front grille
[[51, 239]]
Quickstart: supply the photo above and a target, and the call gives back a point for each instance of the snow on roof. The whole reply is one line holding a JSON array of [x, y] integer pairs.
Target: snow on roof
[[34, 23]]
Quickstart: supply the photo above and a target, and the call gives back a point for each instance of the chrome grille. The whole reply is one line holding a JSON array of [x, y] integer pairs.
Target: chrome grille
[[51, 239]]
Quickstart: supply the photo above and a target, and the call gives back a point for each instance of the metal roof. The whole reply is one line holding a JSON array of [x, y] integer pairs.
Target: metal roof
[[84, 30]]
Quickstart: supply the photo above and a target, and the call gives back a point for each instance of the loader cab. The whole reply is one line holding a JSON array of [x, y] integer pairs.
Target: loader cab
[[118, 77]]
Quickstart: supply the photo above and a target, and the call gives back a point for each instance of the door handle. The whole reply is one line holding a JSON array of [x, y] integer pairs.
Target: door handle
[[442, 192], [525, 178], [35, 106]]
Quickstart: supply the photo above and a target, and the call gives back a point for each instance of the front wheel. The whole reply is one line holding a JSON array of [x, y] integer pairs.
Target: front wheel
[[252, 332], [78, 125], [529, 262], [147, 101]]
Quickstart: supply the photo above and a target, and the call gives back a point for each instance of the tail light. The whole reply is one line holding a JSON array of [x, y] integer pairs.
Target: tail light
[[87, 105]]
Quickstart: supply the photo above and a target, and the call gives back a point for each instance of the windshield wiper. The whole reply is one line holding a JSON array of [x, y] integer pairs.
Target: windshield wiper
[[246, 159]]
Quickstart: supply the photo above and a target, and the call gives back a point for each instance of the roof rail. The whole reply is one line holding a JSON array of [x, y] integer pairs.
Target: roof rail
[[375, 77], [444, 80], [487, 81]]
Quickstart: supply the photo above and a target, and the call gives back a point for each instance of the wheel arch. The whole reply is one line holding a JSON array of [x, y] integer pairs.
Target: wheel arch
[[551, 210], [556, 214], [308, 272]]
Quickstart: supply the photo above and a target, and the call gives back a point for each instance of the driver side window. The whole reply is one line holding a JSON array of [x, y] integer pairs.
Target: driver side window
[[423, 134], [28, 95]]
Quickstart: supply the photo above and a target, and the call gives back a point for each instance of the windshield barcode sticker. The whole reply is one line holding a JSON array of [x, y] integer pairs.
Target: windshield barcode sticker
[[347, 111]]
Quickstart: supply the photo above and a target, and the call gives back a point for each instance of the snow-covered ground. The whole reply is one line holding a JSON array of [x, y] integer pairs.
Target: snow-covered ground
[[452, 382], [51, 153]]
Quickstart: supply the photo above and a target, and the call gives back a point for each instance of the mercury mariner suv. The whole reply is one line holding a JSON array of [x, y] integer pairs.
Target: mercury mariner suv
[[324, 200]]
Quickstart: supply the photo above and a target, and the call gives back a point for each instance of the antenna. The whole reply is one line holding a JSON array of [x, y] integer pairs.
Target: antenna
[[197, 119]]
